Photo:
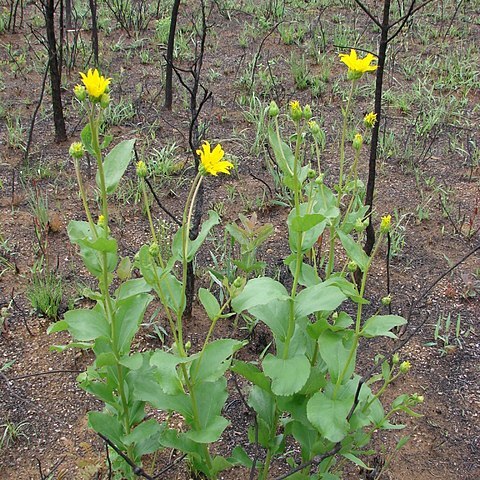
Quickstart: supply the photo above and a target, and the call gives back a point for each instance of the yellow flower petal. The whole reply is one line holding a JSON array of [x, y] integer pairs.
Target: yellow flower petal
[[211, 161], [95, 84], [358, 66]]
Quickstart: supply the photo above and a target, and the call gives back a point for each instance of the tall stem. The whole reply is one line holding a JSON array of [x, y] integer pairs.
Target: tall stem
[[104, 283]]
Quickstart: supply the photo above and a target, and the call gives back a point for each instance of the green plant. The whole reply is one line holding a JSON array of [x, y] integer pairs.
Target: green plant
[[7, 263], [300, 73], [11, 432], [250, 235], [45, 293], [119, 113], [447, 336], [15, 133]]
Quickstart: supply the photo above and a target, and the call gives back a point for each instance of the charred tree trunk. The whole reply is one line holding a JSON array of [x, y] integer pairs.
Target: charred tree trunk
[[382, 54], [93, 11], [55, 75], [169, 57], [68, 14]]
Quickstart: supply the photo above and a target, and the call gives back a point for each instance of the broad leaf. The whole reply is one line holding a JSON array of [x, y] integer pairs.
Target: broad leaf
[[335, 348], [329, 416], [289, 375], [85, 324], [259, 291], [380, 325], [115, 164], [354, 250], [214, 361], [209, 302], [318, 298]]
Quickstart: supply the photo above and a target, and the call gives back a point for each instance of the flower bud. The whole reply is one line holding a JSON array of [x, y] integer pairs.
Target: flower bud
[[307, 112], [370, 119], [295, 111], [238, 282], [154, 249], [105, 100], [142, 170], [76, 150], [311, 173], [80, 92], [386, 224], [273, 110], [352, 266], [405, 367], [386, 301], [188, 346], [101, 221], [334, 316], [319, 179], [395, 359], [357, 142], [359, 225]]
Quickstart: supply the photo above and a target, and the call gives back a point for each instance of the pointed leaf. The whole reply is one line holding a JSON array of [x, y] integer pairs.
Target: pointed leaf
[[115, 164]]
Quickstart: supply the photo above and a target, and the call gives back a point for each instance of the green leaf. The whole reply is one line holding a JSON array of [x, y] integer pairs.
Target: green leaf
[[124, 268], [146, 436], [85, 324], [304, 223], [210, 432], [108, 425], [380, 325], [78, 230], [210, 303], [80, 345], [356, 460], [289, 375], [335, 348], [354, 250], [166, 364], [132, 287], [193, 245], [115, 164], [275, 315], [283, 153], [259, 291], [86, 136], [211, 397], [318, 298], [128, 315], [251, 373], [264, 405], [329, 416], [146, 388], [214, 361], [240, 457]]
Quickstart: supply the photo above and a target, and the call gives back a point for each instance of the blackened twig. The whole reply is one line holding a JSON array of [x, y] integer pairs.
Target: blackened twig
[[170, 466], [159, 203], [370, 14], [34, 116], [139, 471]]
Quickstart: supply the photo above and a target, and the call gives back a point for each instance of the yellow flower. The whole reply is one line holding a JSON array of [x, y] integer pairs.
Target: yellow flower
[[95, 83], [405, 366], [357, 141], [211, 161], [357, 66], [386, 224], [295, 110], [370, 119], [142, 170]]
